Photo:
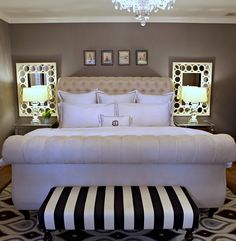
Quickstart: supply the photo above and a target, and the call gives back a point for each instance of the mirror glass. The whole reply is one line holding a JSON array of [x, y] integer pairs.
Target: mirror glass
[[192, 79], [37, 79], [31, 74], [192, 74]]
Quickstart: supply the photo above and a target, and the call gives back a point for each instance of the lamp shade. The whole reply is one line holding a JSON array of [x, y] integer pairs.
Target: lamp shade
[[193, 94], [38, 93]]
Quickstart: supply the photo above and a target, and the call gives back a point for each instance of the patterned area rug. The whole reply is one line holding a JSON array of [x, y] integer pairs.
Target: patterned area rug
[[13, 226]]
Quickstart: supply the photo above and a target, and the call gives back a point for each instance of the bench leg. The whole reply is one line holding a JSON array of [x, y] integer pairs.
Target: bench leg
[[47, 236], [25, 213], [211, 212], [189, 235]]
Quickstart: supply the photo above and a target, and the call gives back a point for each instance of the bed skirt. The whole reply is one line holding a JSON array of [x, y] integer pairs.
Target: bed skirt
[[206, 183]]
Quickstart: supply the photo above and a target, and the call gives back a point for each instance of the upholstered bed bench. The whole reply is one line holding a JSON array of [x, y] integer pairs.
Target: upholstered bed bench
[[118, 207]]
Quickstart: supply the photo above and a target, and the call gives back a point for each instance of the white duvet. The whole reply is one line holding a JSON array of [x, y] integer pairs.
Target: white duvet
[[119, 145], [117, 131]]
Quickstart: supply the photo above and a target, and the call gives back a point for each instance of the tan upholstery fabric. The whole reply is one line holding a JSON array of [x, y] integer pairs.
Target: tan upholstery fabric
[[116, 85]]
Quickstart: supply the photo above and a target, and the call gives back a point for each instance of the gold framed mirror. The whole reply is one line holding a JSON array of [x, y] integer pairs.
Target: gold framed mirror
[[191, 74], [33, 74]]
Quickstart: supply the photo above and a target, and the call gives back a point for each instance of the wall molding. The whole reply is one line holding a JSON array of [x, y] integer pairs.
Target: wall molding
[[5, 17], [124, 19]]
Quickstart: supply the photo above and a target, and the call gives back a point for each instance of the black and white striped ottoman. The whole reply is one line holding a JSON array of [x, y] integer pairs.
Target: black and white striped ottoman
[[118, 207]]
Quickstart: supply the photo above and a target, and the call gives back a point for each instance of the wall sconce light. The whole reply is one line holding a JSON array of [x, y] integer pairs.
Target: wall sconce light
[[36, 94], [193, 95]]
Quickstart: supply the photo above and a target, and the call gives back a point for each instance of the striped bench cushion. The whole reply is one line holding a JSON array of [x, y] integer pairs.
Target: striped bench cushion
[[118, 207]]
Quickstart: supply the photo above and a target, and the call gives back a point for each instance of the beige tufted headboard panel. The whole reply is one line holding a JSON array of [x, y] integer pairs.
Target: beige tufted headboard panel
[[116, 85]]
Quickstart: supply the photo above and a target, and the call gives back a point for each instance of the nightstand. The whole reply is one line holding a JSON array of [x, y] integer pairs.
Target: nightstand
[[230, 177], [205, 126], [22, 128]]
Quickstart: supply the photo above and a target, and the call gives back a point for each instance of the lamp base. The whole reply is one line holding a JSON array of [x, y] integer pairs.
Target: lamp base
[[193, 119], [35, 121]]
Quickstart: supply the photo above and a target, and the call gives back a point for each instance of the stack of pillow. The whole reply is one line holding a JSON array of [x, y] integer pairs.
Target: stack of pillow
[[96, 108]]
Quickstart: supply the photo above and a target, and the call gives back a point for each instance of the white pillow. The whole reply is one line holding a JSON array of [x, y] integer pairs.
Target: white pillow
[[80, 98], [84, 115], [154, 99], [146, 114], [158, 99], [115, 120], [104, 98]]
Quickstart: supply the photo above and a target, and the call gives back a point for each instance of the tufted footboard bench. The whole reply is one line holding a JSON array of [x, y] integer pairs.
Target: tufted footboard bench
[[118, 207]]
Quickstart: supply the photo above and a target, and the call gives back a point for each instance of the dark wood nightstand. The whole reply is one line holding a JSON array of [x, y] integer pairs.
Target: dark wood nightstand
[[21, 128], [231, 177], [205, 126]]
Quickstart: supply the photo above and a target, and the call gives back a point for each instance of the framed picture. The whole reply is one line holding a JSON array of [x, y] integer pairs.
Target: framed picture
[[141, 57], [107, 57], [123, 57], [89, 57]]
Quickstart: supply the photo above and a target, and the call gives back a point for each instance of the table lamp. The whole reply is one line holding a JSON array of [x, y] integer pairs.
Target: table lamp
[[193, 95], [36, 94]]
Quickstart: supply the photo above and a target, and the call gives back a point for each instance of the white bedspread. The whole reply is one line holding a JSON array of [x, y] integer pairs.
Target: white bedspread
[[119, 145], [118, 131]]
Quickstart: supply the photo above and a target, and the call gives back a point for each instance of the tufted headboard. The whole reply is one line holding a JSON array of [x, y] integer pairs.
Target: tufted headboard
[[116, 85]]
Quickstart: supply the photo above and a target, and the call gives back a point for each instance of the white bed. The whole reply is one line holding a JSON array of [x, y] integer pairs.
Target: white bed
[[133, 155]]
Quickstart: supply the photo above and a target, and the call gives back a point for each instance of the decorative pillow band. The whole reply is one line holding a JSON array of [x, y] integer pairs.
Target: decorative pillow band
[[104, 98], [115, 120], [78, 98], [74, 116], [146, 114]]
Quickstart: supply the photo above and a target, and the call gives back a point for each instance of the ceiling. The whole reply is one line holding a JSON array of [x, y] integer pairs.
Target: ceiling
[[52, 11]]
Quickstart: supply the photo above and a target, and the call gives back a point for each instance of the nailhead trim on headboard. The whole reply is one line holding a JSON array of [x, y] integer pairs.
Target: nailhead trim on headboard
[[116, 85]]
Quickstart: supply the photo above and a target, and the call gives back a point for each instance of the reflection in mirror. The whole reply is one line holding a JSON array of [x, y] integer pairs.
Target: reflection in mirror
[[192, 79], [37, 79], [192, 74], [30, 74]]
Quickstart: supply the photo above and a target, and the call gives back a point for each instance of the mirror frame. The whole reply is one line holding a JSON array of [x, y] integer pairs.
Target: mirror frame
[[181, 68], [23, 71]]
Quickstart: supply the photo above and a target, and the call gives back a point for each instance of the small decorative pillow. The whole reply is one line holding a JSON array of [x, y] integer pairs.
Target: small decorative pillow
[[146, 114], [80, 98], [115, 120], [104, 98], [74, 116]]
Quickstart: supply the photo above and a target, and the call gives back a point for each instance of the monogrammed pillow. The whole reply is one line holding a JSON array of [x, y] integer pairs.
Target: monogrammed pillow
[[115, 120]]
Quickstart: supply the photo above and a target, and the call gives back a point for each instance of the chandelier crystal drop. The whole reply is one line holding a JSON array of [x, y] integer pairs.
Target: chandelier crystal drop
[[143, 8]]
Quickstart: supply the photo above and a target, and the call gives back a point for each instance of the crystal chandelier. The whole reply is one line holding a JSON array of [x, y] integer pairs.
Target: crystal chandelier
[[143, 8]]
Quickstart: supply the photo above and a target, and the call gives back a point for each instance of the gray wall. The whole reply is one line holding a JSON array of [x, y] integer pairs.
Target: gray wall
[[64, 43], [7, 85]]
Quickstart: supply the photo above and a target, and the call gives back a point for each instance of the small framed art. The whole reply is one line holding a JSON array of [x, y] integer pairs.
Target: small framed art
[[123, 57], [107, 57], [141, 57], [89, 57]]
